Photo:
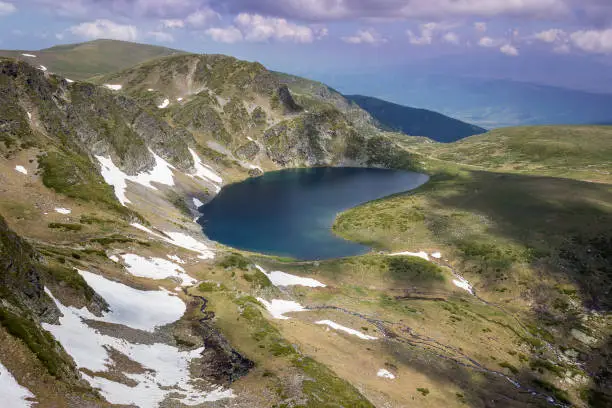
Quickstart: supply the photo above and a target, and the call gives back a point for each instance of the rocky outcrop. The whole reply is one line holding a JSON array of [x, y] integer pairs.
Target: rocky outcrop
[[219, 362]]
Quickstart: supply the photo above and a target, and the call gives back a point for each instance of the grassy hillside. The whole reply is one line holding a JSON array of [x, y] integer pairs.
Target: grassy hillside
[[85, 60], [415, 122], [579, 152]]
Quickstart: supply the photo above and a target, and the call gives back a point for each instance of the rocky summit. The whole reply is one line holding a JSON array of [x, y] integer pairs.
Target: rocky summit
[[488, 286]]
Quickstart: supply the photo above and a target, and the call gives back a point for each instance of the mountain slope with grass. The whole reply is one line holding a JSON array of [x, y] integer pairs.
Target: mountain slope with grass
[[578, 152], [85, 60], [485, 284], [415, 122]]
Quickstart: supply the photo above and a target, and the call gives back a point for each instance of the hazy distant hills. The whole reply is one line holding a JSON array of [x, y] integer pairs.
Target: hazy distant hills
[[489, 103], [415, 122]]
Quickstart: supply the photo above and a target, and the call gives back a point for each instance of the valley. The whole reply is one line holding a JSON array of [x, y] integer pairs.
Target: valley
[[486, 285]]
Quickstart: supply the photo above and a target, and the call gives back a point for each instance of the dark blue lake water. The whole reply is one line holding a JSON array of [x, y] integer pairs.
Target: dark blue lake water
[[290, 212]]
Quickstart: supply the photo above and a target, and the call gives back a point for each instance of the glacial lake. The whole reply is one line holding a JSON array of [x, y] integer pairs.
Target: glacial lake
[[290, 212]]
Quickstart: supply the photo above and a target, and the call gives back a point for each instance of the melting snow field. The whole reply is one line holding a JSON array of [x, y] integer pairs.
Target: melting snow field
[[203, 171], [70, 81], [29, 55], [42, 68], [13, 395], [143, 310], [113, 87], [277, 307], [161, 173], [421, 254], [460, 282], [21, 169], [181, 240], [167, 367], [176, 259], [164, 104], [197, 202], [64, 211], [279, 278], [436, 255], [385, 374], [156, 268], [345, 329]]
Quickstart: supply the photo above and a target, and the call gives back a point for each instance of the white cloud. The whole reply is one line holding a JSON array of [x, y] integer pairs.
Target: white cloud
[[202, 17], [595, 41], [481, 27], [105, 29], [428, 31], [257, 28], [451, 38], [509, 50], [7, 8], [562, 49], [161, 36], [488, 42], [369, 36], [173, 23], [551, 36], [228, 35]]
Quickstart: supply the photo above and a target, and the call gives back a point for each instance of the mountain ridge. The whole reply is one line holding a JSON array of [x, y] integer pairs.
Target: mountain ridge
[[415, 121]]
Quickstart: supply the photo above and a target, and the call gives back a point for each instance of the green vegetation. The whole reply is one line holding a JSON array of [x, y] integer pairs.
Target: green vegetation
[[413, 269], [258, 279], [39, 341], [69, 277], [76, 177], [325, 389], [423, 391], [85, 60], [235, 260], [578, 152], [65, 227]]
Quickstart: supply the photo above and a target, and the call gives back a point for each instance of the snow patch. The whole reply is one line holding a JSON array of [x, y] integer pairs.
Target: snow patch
[[42, 68], [250, 138], [114, 258], [151, 90], [113, 87], [203, 171], [179, 99], [436, 255], [181, 240], [164, 104], [277, 307], [138, 309], [161, 173], [279, 278], [385, 374], [176, 259], [21, 169], [70, 81], [29, 115], [13, 394], [167, 367], [345, 329], [156, 268], [197, 202], [460, 282], [421, 254], [29, 55], [64, 211]]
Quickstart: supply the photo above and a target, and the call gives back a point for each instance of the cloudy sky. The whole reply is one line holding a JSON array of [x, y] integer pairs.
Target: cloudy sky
[[308, 35]]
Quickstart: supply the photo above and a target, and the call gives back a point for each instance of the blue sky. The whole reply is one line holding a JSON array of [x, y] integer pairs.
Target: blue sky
[[309, 36]]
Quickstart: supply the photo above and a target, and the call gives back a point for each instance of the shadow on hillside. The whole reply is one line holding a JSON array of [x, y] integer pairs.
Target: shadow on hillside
[[481, 389], [565, 225]]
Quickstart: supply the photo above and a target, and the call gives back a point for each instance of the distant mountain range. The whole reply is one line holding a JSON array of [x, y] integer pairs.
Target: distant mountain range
[[415, 122], [488, 103]]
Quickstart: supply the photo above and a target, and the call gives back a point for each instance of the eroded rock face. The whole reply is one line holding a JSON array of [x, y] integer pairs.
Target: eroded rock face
[[287, 101], [220, 362], [20, 278]]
